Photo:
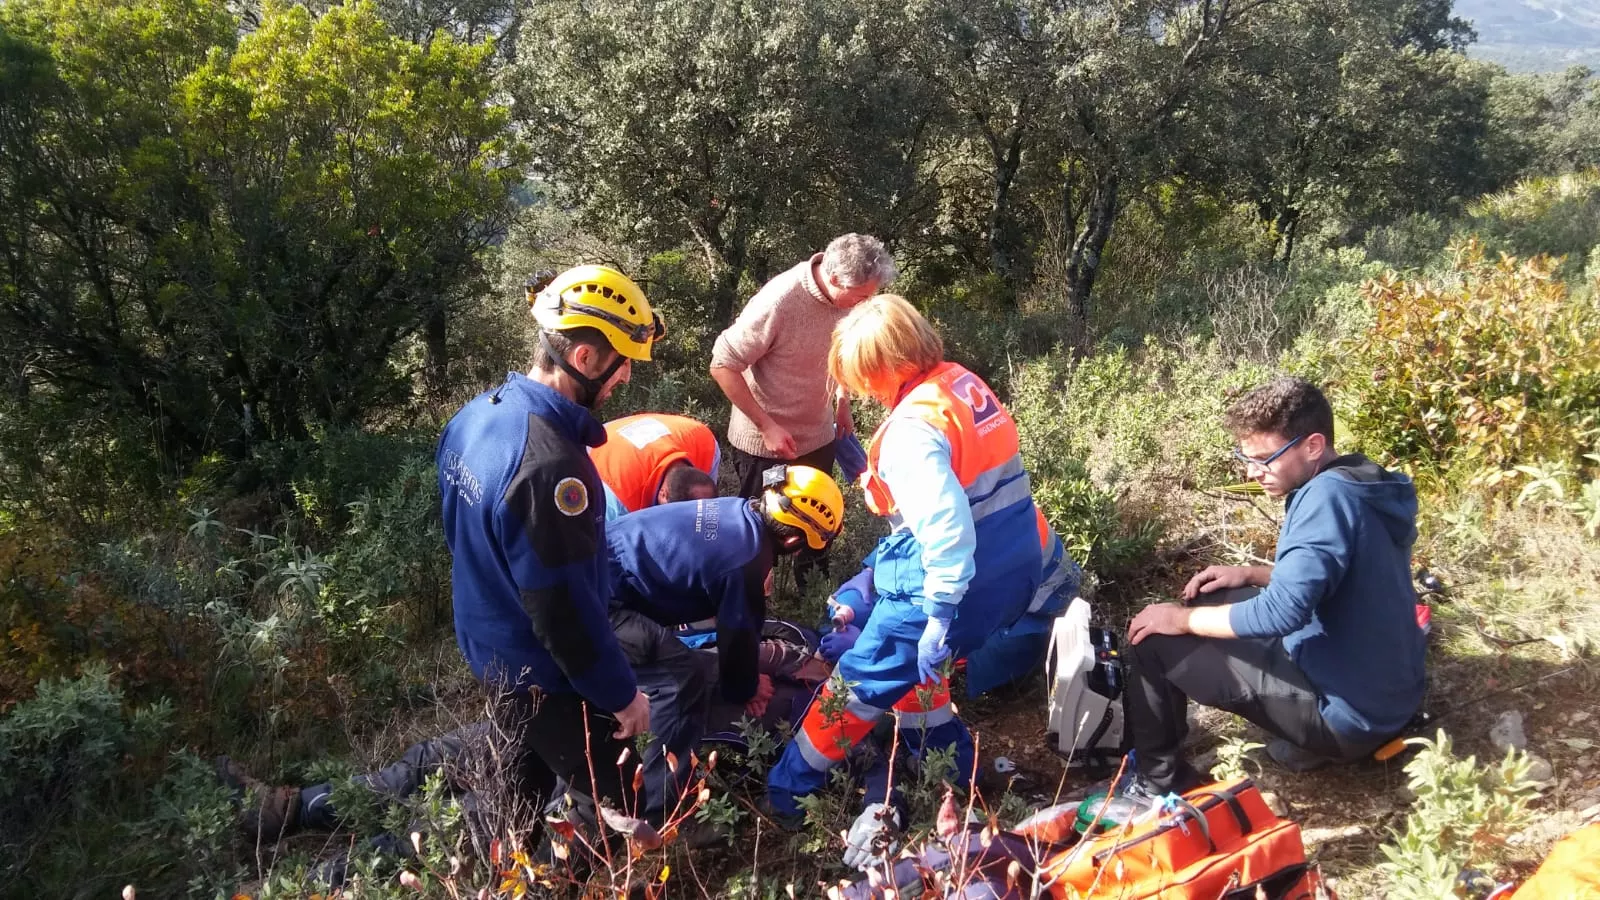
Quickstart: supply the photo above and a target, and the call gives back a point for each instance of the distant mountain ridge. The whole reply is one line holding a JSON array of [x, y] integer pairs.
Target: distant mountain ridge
[[1535, 35]]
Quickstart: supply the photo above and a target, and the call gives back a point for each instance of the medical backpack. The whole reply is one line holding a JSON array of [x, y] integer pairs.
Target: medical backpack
[[1219, 842], [1084, 668]]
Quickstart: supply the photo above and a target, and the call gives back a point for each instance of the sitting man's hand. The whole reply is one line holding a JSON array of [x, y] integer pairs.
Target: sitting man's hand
[[757, 706], [1216, 578], [1158, 618]]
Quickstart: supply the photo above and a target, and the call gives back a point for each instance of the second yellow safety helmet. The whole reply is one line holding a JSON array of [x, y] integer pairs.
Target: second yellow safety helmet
[[807, 498]]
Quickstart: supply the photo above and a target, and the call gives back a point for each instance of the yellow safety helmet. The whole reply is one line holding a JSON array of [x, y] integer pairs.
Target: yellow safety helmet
[[602, 298], [806, 498]]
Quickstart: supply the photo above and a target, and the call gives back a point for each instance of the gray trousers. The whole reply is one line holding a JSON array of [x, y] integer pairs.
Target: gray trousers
[[1254, 679]]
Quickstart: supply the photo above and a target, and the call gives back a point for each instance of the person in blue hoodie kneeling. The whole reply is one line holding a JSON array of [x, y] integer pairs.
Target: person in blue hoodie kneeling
[[1322, 648]]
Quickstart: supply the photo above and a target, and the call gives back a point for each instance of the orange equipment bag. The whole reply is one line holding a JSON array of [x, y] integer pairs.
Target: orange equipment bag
[[1220, 843]]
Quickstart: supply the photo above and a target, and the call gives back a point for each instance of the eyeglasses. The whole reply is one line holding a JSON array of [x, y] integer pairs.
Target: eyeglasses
[[1263, 463]]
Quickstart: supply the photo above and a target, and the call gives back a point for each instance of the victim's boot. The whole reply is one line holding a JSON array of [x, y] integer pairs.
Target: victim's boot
[[267, 813]]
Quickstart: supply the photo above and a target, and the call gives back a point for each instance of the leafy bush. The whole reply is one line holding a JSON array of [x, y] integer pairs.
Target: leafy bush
[[62, 758], [338, 467], [1461, 817], [76, 464], [1083, 509], [1494, 366], [58, 618], [391, 572], [982, 329], [1163, 251], [261, 292], [1412, 242], [1152, 414], [1559, 216]]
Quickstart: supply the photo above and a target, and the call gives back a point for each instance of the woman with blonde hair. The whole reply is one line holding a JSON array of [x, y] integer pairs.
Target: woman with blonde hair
[[963, 558]]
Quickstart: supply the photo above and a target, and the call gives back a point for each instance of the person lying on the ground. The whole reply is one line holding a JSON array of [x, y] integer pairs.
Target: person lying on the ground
[[686, 562], [1322, 648], [962, 560], [655, 458], [462, 757]]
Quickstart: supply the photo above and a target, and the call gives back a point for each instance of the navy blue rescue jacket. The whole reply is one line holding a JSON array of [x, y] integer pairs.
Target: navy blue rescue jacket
[[524, 516]]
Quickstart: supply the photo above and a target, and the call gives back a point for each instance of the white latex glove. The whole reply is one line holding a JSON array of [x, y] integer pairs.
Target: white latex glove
[[872, 838], [931, 650]]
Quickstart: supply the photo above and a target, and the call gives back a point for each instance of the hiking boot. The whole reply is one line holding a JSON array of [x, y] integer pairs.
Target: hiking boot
[[267, 813], [1138, 786], [1295, 759]]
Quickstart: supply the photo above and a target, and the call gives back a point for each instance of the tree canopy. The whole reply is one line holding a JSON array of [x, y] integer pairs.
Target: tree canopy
[[236, 236]]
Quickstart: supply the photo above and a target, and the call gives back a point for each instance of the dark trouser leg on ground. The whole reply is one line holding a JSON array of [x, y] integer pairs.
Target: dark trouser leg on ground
[[1253, 679], [808, 564], [678, 682], [448, 753]]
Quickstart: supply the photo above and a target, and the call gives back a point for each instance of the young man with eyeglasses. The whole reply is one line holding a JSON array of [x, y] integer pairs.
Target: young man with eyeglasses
[[1321, 648]]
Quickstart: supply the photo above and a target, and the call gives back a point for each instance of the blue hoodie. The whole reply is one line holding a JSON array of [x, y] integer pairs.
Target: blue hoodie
[[682, 562], [1341, 598], [524, 516]]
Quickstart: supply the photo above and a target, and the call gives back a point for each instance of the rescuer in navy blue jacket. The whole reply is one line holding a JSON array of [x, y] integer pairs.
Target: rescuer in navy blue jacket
[[524, 517], [679, 563]]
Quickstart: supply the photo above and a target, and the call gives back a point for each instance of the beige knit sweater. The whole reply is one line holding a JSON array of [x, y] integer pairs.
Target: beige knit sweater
[[780, 342]]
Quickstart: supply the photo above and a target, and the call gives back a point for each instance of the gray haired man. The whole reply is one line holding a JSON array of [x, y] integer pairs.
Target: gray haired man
[[772, 364]]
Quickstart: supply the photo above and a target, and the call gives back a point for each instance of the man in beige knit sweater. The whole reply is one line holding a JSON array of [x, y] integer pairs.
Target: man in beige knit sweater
[[772, 364]]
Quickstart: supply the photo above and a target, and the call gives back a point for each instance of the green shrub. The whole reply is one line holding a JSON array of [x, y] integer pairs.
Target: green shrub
[[1154, 414], [1412, 242], [390, 573], [84, 467], [1082, 509], [1461, 817], [324, 475], [1156, 264], [64, 758], [981, 327], [1494, 366], [1559, 216]]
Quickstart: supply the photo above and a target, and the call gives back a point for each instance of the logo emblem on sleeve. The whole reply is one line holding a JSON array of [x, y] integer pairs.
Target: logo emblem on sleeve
[[571, 496]]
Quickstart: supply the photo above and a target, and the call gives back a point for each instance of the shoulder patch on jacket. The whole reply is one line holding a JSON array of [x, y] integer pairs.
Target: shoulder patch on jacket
[[550, 492], [571, 496]]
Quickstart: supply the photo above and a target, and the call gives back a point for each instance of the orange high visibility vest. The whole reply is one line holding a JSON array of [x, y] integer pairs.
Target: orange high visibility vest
[[984, 452], [639, 450]]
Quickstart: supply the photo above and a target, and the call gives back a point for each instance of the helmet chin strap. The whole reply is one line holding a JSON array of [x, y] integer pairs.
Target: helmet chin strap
[[588, 388]]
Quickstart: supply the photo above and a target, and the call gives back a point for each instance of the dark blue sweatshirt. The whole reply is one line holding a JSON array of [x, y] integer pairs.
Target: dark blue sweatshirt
[[682, 562], [1340, 596], [524, 516]]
